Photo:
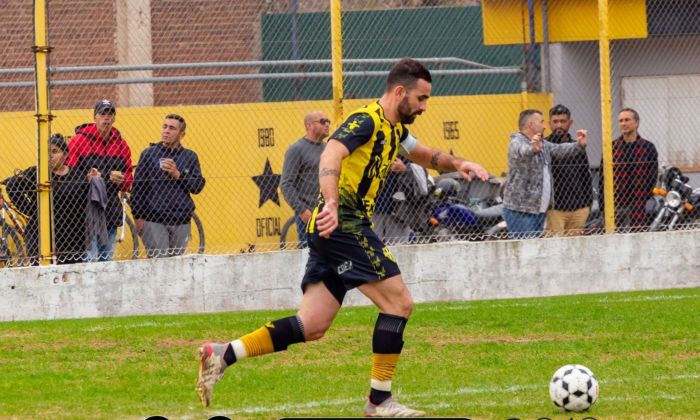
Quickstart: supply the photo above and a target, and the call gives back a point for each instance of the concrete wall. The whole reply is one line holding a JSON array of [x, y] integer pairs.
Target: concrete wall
[[437, 272]]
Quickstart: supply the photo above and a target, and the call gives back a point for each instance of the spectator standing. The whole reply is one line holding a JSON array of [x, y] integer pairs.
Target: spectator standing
[[635, 168], [166, 175], [299, 181], [99, 148], [68, 194], [571, 178], [528, 190]]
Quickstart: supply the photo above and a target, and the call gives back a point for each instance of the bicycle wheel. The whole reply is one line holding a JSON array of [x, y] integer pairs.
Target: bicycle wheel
[[200, 233], [289, 230], [11, 249], [134, 237]]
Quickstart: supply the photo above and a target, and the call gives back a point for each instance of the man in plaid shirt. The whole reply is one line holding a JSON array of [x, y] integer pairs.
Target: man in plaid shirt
[[635, 168]]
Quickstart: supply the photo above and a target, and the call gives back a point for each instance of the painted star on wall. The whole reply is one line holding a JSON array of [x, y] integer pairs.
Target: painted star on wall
[[268, 182]]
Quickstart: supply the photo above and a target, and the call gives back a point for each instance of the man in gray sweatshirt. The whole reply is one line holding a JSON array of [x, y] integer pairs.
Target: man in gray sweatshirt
[[299, 182], [528, 191]]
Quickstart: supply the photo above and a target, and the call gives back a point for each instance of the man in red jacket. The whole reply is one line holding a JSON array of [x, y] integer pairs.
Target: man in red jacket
[[99, 150]]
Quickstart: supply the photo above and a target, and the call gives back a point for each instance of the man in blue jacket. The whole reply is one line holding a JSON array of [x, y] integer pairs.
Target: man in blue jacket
[[166, 175]]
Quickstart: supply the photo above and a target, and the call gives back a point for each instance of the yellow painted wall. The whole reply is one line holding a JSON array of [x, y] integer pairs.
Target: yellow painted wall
[[569, 20], [226, 138]]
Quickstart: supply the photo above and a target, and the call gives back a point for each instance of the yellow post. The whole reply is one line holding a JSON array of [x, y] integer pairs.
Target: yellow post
[[337, 60], [43, 119], [605, 114]]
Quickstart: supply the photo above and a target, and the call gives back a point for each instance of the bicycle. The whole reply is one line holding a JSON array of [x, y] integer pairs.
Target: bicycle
[[289, 229], [128, 223], [12, 234], [200, 233]]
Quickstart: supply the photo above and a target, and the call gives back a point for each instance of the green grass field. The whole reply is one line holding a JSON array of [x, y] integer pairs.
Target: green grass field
[[485, 359]]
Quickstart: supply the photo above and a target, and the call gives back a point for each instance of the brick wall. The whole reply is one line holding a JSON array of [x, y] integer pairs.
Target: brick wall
[[186, 31], [83, 32]]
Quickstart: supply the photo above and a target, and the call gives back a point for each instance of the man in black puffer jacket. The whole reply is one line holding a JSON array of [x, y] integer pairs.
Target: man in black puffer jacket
[[573, 193], [166, 175]]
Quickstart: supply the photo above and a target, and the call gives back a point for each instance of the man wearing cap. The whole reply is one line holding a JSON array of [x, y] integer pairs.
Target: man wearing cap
[[98, 149]]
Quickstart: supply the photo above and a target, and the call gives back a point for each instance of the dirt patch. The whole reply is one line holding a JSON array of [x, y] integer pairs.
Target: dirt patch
[[180, 342], [96, 344], [15, 334], [646, 355], [440, 339], [687, 355]]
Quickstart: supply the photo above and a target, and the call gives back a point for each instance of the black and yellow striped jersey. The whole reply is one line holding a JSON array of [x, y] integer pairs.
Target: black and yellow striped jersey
[[373, 143]]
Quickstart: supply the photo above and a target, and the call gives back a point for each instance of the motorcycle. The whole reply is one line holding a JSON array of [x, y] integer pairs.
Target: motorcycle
[[467, 210], [594, 224], [674, 201]]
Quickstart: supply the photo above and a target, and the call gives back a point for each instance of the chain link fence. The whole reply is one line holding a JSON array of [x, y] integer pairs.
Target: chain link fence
[[241, 86]]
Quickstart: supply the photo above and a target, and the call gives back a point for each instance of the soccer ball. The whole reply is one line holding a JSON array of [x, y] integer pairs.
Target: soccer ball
[[573, 388]]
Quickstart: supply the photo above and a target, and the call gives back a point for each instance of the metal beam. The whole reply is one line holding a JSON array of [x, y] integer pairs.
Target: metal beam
[[258, 76], [239, 64]]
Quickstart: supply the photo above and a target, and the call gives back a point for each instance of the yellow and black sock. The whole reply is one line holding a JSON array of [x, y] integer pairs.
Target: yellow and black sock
[[272, 337], [387, 342]]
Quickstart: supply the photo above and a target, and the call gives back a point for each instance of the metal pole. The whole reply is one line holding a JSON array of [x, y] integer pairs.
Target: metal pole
[[532, 56], [43, 120], [606, 114], [239, 64], [256, 76], [337, 59], [546, 74], [294, 9]]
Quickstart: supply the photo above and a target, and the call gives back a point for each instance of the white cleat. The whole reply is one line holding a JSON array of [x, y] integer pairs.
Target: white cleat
[[391, 408], [211, 370]]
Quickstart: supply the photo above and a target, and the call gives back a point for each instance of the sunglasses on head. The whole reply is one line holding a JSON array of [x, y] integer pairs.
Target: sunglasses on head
[[324, 121]]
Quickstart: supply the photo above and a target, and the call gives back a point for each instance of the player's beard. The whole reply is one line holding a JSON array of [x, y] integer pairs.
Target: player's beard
[[406, 116]]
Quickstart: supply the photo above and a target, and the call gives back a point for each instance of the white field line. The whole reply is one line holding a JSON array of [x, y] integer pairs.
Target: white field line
[[516, 389]]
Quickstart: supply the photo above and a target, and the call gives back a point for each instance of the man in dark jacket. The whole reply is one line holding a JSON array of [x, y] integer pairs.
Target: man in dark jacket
[[98, 149], [635, 168], [572, 188], [68, 197], [166, 175]]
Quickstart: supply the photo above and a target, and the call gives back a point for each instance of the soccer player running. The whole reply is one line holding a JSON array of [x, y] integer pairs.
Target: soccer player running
[[344, 251]]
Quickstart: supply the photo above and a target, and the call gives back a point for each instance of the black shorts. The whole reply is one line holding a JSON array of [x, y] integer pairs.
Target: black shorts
[[347, 260]]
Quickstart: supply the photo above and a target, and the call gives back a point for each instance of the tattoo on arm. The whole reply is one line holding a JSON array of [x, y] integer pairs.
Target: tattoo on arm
[[329, 172], [434, 159]]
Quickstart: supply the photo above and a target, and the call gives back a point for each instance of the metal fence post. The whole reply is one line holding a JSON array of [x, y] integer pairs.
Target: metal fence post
[[43, 119]]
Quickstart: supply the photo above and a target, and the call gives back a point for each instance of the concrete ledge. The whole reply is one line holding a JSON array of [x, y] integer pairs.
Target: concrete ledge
[[436, 272]]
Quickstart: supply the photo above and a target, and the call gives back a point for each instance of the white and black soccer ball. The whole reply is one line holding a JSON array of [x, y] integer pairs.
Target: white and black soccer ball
[[573, 388]]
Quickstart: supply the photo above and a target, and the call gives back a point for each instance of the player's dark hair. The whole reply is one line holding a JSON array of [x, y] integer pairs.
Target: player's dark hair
[[407, 72], [635, 114], [559, 109], [181, 120], [525, 115]]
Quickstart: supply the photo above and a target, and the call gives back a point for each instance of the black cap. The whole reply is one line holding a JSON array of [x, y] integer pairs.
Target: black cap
[[105, 105]]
